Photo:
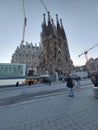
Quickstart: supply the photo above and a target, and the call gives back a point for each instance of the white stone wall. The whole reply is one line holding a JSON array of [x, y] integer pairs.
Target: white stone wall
[[28, 54]]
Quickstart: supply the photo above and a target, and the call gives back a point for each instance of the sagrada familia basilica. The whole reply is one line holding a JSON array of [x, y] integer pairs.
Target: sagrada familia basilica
[[51, 56]]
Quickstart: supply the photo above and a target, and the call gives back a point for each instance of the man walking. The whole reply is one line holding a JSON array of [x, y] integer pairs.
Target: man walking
[[70, 86]]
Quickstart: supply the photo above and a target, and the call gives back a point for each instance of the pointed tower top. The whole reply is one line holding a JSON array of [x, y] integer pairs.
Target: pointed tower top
[[61, 23], [57, 18], [44, 20], [44, 26], [62, 30], [58, 26], [49, 18], [44, 14], [48, 13]]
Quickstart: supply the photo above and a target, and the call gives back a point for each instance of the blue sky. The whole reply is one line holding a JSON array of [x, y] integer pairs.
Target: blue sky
[[80, 21]]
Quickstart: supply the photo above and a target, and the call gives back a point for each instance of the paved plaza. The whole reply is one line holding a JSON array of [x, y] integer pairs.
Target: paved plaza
[[44, 107]]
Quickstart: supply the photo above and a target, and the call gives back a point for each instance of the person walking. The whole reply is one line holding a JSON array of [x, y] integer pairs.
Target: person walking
[[96, 80], [49, 81], [70, 85], [17, 83]]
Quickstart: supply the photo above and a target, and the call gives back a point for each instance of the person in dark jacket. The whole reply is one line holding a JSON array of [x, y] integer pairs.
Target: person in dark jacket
[[96, 79], [70, 86], [17, 83]]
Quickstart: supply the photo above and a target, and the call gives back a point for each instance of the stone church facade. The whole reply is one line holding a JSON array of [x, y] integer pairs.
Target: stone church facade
[[55, 53], [29, 55], [52, 56]]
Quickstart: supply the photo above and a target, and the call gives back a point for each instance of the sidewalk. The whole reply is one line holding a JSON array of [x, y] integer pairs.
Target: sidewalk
[[52, 112]]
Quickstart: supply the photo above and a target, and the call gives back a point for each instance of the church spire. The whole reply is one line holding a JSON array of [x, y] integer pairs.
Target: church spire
[[58, 25], [49, 21], [61, 24], [44, 27], [50, 28], [57, 19], [44, 20], [62, 29]]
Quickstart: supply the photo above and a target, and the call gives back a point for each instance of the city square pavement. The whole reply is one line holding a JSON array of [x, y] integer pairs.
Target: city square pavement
[[44, 107]]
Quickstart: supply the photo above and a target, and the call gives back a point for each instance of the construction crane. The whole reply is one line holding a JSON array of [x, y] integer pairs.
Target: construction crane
[[86, 52], [48, 12], [25, 22], [44, 6]]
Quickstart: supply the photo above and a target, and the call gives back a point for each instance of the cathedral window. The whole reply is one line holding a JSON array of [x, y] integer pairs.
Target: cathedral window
[[59, 52]]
